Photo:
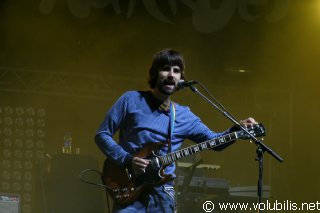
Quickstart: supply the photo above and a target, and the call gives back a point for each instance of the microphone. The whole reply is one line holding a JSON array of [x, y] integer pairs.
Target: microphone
[[182, 83]]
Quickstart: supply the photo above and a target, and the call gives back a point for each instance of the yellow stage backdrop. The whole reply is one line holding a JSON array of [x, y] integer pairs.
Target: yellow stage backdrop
[[64, 62]]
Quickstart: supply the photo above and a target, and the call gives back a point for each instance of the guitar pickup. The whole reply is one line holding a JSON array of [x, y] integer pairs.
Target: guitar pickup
[[154, 163]]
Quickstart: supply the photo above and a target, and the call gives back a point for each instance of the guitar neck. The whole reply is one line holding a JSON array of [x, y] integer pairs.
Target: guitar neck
[[177, 155]]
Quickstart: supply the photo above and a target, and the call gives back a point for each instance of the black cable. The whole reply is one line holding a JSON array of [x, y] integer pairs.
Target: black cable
[[92, 183], [95, 184]]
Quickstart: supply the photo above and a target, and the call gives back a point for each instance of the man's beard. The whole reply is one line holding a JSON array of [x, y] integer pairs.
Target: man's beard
[[161, 87]]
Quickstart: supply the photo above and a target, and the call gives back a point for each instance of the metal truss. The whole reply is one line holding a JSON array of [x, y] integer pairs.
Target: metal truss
[[63, 84]]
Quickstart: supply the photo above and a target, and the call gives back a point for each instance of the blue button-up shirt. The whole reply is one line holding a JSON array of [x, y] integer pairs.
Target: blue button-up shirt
[[140, 120]]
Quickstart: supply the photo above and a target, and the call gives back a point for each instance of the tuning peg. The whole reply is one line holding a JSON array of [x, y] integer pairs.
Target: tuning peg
[[250, 141], [262, 138]]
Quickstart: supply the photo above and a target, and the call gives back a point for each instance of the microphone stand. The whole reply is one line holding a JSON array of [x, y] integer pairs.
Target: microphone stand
[[261, 148]]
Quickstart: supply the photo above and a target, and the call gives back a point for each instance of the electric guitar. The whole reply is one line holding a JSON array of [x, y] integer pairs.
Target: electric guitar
[[124, 186]]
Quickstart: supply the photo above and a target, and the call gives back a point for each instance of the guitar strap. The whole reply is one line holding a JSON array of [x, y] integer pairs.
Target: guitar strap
[[172, 119]]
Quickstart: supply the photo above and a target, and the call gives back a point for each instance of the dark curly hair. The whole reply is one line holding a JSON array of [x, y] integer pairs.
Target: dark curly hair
[[164, 58]]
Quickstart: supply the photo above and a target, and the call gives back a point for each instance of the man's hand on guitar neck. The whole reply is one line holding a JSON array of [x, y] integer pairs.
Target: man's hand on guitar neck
[[139, 165], [248, 122]]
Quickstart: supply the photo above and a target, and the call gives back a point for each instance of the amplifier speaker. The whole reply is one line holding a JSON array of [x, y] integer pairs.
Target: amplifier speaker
[[9, 203], [66, 193]]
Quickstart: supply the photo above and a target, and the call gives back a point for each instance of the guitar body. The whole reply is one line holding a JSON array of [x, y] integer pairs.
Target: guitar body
[[124, 186]]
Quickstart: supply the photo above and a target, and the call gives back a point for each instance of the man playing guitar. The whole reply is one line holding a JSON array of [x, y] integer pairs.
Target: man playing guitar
[[149, 122]]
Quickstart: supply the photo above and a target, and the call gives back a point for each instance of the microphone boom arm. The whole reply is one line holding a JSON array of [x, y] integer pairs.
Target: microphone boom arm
[[261, 148], [227, 114]]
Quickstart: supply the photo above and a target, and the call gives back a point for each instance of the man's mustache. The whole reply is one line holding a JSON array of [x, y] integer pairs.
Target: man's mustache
[[169, 81]]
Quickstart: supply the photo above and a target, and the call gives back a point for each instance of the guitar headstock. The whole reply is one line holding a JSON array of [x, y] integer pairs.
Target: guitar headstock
[[256, 130]]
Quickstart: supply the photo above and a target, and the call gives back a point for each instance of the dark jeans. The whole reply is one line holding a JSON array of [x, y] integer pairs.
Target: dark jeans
[[160, 200]]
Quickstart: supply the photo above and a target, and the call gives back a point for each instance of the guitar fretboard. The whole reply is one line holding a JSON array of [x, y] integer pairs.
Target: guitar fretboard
[[182, 153]]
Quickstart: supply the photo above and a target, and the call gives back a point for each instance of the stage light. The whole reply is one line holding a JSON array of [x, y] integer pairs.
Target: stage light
[[7, 143], [41, 123], [29, 133], [5, 186], [27, 176], [30, 111], [8, 121], [18, 132], [6, 164], [19, 122], [27, 187], [41, 112], [6, 175], [16, 187], [27, 197], [6, 153], [40, 154], [8, 110], [7, 132], [18, 153], [18, 143], [26, 208], [28, 154], [19, 111], [22, 143], [29, 143], [16, 175], [17, 165], [30, 122], [41, 133], [28, 165], [40, 144]]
